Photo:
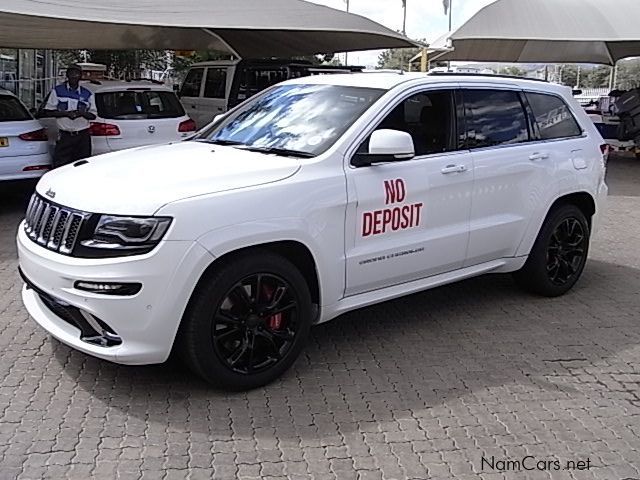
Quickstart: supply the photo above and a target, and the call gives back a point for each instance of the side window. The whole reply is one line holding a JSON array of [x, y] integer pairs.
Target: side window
[[191, 85], [430, 119], [553, 116], [254, 80], [494, 117], [216, 84]]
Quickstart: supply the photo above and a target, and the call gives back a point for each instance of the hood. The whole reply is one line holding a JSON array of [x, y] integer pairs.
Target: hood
[[141, 180]]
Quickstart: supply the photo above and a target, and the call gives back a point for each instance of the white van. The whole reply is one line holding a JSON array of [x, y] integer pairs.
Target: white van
[[213, 87]]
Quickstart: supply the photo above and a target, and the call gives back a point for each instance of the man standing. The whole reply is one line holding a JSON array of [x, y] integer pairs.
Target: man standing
[[73, 106]]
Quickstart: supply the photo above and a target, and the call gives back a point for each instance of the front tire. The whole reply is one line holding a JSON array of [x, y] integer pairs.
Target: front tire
[[247, 322], [559, 254]]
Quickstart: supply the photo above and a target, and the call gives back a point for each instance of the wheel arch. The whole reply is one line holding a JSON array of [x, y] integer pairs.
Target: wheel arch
[[293, 250], [582, 199]]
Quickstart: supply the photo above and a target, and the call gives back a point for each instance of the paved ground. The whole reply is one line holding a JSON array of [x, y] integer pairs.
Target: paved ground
[[422, 387]]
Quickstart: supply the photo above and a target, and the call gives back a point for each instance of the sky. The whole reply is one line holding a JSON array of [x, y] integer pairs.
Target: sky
[[425, 18]]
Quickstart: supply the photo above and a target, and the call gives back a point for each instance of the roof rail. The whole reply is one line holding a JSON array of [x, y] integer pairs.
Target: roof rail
[[490, 75], [157, 82]]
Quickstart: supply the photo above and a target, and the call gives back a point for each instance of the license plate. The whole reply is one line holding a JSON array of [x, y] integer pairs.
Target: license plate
[[4, 142]]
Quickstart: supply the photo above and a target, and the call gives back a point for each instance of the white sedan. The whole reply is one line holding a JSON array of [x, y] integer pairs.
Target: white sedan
[[23, 141]]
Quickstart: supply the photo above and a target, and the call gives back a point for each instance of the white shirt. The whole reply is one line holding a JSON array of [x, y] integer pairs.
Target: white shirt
[[65, 99]]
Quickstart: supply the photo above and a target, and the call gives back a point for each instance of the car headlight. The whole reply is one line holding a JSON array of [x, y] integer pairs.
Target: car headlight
[[115, 236]]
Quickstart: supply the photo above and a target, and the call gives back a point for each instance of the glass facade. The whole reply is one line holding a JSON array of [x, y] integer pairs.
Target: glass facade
[[30, 74]]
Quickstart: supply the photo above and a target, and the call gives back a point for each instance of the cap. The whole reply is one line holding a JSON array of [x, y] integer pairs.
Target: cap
[[75, 67]]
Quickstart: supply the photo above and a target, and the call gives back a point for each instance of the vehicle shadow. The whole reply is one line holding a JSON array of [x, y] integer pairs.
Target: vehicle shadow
[[399, 359]]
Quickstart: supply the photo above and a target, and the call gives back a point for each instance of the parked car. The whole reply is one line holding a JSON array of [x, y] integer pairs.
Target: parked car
[[131, 114], [318, 196], [23, 141], [211, 88]]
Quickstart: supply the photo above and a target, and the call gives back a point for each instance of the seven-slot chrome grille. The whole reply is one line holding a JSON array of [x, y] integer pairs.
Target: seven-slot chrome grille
[[53, 226]]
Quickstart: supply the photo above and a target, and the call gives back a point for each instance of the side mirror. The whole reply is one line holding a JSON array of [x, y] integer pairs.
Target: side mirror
[[386, 146]]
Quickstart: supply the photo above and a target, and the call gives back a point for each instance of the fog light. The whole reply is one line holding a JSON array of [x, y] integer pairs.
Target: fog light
[[108, 288]]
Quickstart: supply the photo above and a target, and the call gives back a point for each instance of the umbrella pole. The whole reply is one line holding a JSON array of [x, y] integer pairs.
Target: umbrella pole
[[215, 35]]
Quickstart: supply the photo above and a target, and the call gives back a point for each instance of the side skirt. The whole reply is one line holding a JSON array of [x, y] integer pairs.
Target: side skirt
[[503, 265]]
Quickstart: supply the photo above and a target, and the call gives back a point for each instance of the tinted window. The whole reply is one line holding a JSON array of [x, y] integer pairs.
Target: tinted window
[[254, 80], [11, 110], [191, 85], [428, 117], [494, 117], [216, 84], [553, 116], [133, 105], [305, 119]]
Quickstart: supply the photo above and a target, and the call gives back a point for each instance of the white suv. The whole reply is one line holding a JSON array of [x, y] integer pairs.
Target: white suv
[[131, 114], [318, 196]]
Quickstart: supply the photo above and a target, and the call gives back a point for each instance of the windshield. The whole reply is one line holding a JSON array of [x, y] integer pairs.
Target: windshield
[[293, 119]]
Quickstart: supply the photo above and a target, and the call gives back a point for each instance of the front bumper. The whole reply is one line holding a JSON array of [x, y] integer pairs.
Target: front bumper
[[146, 322]]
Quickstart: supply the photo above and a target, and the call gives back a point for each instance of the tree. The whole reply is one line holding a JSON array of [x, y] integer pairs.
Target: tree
[[513, 71], [569, 75], [597, 78], [120, 63], [628, 74], [397, 58]]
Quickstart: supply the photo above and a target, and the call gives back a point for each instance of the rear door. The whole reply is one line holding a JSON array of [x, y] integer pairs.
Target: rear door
[[512, 171], [142, 116]]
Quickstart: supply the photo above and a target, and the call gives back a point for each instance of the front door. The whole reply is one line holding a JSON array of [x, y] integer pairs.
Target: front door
[[214, 95], [410, 220]]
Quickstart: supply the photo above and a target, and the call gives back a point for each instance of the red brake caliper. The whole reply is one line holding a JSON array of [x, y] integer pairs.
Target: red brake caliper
[[274, 322]]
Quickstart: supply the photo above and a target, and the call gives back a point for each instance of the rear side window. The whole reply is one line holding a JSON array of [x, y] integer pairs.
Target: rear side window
[[494, 117], [553, 116], [216, 84], [135, 105], [191, 85], [11, 110]]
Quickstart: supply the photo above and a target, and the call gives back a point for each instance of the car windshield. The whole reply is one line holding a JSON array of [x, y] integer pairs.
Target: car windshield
[[138, 104], [293, 120], [11, 110]]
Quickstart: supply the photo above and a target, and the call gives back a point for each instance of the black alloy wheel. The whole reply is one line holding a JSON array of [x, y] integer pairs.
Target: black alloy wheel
[[247, 321], [256, 324], [558, 255], [566, 251]]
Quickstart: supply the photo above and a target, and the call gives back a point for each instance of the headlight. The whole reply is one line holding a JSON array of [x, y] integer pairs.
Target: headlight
[[115, 236]]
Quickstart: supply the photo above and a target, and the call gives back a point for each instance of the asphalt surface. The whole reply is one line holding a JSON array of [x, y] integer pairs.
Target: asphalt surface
[[472, 380]]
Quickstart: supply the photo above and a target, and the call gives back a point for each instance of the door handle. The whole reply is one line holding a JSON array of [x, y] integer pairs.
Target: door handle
[[194, 106], [454, 169], [538, 156]]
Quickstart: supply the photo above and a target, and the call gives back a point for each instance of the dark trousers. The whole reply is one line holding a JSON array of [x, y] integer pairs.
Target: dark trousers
[[72, 146]]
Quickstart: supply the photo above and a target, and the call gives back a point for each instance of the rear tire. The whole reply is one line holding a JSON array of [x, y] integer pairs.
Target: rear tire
[[559, 254], [247, 322]]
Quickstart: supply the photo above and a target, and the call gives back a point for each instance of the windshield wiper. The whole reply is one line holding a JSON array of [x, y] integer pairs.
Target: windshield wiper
[[285, 152], [223, 142]]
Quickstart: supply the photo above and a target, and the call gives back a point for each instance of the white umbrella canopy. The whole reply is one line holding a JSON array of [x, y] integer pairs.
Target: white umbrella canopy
[[550, 31], [246, 28]]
